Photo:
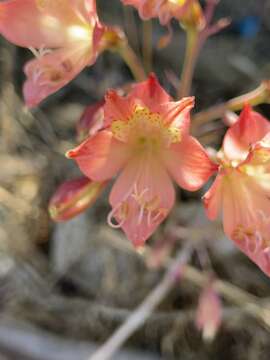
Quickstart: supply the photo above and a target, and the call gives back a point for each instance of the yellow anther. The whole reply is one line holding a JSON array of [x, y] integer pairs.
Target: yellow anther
[[153, 204], [123, 210], [240, 233], [120, 130], [174, 135]]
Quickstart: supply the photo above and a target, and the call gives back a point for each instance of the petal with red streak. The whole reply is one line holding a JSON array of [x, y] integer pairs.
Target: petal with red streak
[[177, 113], [150, 93], [117, 107]]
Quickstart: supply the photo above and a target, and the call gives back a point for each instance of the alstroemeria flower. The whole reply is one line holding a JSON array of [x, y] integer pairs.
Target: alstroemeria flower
[[242, 187], [65, 36], [188, 11], [145, 135]]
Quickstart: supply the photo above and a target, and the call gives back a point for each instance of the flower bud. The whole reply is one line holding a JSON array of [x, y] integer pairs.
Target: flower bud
[[193, 16], [113, 38], [209, 313], [91, 121], [73, 197]]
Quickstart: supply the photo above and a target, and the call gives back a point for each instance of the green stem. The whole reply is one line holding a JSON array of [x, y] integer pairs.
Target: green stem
[[255, 97], [147, 45], [132, 61], [191, 55]]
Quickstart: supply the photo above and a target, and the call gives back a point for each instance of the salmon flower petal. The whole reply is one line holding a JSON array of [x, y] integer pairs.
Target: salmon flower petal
[[189, 164], [241, 190], [212, 199], [65, 36], [51, 72], [47, 23], [141, 199], [250, 128], [177, 113], [151, 93], [117, 107], [100, 157]]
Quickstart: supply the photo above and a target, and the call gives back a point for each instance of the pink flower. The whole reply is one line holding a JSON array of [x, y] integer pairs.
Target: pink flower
[[188, 11], [242, 187], [64, 35], [73, 197], [146, 136], [209, 313]]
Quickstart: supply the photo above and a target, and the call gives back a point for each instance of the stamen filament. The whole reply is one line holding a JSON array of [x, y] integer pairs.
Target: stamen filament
[[111, 216]]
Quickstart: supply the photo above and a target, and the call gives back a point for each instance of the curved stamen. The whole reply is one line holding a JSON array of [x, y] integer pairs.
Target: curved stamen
[[38, 53], [162, 212], [111, 216]]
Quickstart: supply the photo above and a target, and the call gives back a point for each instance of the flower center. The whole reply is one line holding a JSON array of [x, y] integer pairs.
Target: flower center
[[145, 130]]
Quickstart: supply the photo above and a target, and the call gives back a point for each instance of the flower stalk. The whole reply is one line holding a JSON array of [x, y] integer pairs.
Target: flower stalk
[[191, 55], [197, 33], [132, 61], [260, 95], [147, 45]]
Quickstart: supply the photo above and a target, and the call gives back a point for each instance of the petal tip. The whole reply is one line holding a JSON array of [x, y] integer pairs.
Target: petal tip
[[111, 94], [70, 154]]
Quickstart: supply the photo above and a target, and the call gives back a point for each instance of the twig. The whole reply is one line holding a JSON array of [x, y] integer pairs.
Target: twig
[[255, 97], [249, 303], [20, 340], [139, 316]]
